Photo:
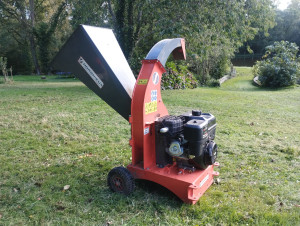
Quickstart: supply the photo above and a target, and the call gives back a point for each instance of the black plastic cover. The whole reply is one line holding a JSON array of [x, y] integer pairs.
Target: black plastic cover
[[195, 129], [162, 142], [196, 112], [211, 121], [95, 57], [174, 123]]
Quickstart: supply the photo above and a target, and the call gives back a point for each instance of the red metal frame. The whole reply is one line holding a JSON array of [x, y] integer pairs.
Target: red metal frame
[[146, 107]]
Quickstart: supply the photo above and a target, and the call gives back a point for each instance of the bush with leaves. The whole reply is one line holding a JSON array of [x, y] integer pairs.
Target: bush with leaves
[[178, 77], [3, 64], [213, 83], [280, 67], [5, 71]]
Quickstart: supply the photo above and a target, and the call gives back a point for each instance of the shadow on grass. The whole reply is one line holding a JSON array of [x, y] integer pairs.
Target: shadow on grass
[[90, 188], [248, 85], [159, 191], [146, 193], [48, 78]]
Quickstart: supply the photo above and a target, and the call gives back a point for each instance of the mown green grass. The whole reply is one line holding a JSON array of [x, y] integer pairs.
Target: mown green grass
[[57, 132]]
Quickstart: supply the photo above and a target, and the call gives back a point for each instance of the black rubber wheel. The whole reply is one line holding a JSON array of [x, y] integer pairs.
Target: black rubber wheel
[[120, 180]]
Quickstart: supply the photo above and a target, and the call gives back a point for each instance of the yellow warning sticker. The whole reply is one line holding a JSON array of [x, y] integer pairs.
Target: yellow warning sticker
[[150, 107], [142, 81]]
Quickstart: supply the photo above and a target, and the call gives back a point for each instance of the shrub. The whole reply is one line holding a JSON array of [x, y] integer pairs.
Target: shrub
[[177, 77], [280, 66], [220, 67], [3, 63], [213, 83], [5, 71], [210, 62]]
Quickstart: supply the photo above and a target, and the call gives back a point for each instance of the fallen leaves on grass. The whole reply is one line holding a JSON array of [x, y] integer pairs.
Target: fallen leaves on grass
[[281, 203], [66, 187], [218, 181], [37, 184], [59, 206], [86, 155]]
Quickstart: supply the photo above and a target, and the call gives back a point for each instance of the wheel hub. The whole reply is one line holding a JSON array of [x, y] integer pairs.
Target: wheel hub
[[118, 183]]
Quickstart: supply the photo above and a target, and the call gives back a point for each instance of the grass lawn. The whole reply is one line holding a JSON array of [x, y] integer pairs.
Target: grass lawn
[[57, 132]]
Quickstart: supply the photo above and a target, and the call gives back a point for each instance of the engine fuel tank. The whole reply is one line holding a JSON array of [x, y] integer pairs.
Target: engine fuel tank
[[205, 122]]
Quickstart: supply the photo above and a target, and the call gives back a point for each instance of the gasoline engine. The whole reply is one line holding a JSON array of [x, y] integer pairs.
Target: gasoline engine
[[188, 139]]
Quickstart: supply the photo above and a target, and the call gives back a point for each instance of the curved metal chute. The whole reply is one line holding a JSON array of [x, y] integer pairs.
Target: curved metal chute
[[161, 50]]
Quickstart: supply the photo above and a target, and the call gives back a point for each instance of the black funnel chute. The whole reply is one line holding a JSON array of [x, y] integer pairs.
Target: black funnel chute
[[95, 57]]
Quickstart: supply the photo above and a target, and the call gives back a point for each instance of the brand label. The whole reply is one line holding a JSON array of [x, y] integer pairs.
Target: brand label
[[150, 107], [205, 133], [90, 72], [204, 180], [153, 95], [146, 130], [142, 81], [155, 78]]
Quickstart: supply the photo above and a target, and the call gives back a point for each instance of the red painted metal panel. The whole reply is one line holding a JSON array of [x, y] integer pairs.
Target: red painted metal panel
[[188, 186], [146, 107]]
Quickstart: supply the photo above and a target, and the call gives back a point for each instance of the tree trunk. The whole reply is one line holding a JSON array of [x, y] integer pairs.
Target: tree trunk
[[120, 23], [5, 75], [31, 39], [130, 25], [34, 55]]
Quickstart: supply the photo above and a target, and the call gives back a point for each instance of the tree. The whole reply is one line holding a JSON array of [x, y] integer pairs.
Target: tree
[[15, 50], [280, 66], [3, 64], [213, 30], [125, 17], [16, 19], [44, 34], [292, 22], [287, 28], [19, 18]]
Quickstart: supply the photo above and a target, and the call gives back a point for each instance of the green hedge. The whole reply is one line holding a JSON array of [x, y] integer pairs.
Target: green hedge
[[178, 77], [281, 66]]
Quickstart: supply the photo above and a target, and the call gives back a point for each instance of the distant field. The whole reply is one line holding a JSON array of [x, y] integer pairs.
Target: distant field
[[56, 132]]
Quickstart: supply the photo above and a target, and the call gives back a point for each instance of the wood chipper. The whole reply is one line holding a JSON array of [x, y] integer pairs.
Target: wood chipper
[[177, 152]]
